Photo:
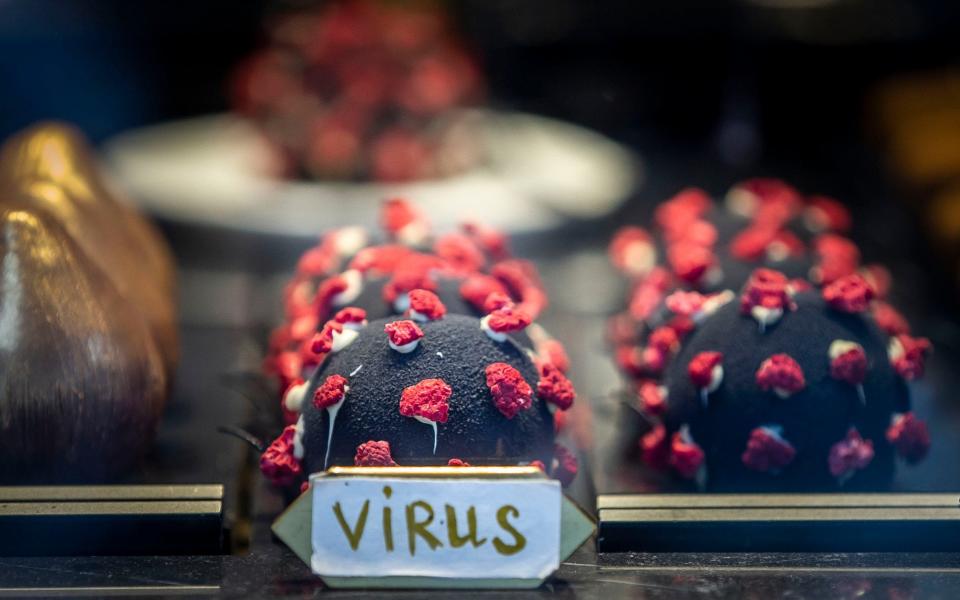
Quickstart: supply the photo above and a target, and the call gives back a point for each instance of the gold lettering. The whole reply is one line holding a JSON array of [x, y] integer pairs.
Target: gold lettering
[[519, 541], [415, 528], [388, 521], [352, 536], [457, 540]]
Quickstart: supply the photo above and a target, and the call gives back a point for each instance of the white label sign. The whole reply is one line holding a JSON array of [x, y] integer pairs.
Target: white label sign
[[380, 527]]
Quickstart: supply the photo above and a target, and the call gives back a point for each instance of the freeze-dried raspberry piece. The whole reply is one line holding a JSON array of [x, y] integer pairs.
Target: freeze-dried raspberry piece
[[851, 294], [781, 374], [555, 388], [427, 400], [767, 451], [374, 454], [849, 455], [426, 306], [331, 392], [511, 393], [908, 354], [278, 463], [909, 435]]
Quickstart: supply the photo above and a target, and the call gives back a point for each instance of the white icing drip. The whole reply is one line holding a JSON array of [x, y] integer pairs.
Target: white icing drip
[[895, 349], [354, 281], [639, 258], [418, 316], [355, 371], [777, 251], [782, 393], [405, 348], [741, 202], [840, 347], [433, 424], [332, 411], [716, 378], [493, 335], [342, 339], [414, 233], [861, 394], [766, 316], [298, 439], [402, 303], [293, 399], [349, 240], [815, 219], [712, 304]]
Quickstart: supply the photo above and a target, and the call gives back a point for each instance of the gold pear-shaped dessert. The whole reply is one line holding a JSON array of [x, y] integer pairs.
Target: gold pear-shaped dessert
[[88, 337], [53, 167]]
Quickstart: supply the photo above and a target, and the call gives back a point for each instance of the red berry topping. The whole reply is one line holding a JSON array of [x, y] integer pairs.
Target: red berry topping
[[427, 400], [850, 454], [768, 290], [655, 447], [350, 315], [278, 463], [427, 304], [690, 262], [380, 259], [492, 242], [332, 391], [496, 300], [848, 362], [751, 243], [782, 374], [889, 319], [417, 272], [909, 436], [456, 462], [632, 250], [850, 294], [322, 343], [317, 261], [701, 369], [653, 398], [403, 332], [686, 457], [678, 212], [396, 213], [685, 303], [565, 465], [827, 214], [460, 252], [560, 420], [507, 319], [328, 289], [555, 388], [907, 355], [646, 296], [664, 339], [879, 278], [476, 288], [838, 257], [699, 233], [511, 393], [374, 454], [767, 451], [523, 282], [538, 464]]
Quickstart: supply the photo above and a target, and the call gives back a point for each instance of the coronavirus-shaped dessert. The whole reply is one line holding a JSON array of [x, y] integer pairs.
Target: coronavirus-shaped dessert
[[762, 353], [811, 400], [350, 278], [445, 389]]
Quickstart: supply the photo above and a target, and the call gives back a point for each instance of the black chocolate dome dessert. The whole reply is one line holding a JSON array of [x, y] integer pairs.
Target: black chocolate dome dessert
[[441, 389]]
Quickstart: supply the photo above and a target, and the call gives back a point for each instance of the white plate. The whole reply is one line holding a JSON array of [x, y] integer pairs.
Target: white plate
[[539, 172]]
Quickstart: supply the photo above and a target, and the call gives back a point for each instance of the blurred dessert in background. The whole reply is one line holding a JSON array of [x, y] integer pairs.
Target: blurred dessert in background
[[362, 90]]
